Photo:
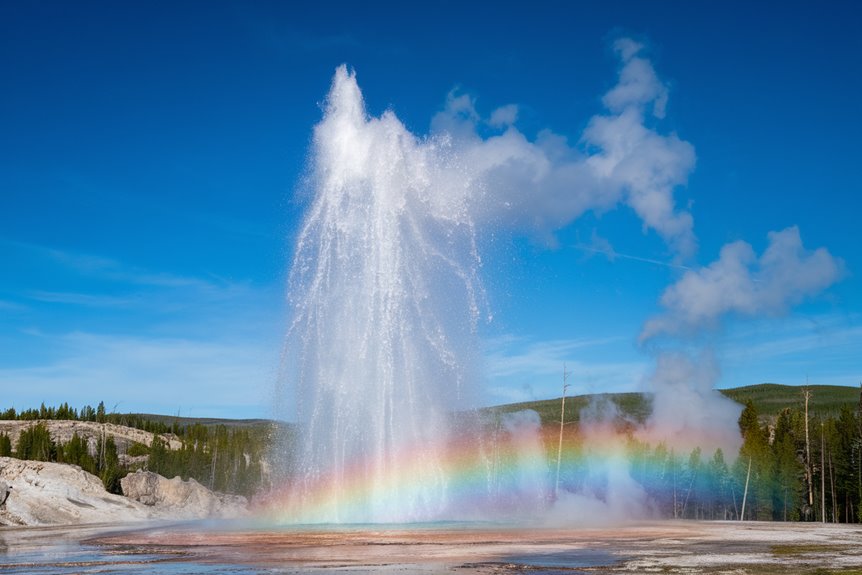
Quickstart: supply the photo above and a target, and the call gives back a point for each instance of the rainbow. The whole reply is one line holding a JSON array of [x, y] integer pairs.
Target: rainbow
[[486, 476]]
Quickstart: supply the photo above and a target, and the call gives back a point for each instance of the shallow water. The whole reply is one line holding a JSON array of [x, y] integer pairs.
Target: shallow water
[[467, 549], [245, 549]]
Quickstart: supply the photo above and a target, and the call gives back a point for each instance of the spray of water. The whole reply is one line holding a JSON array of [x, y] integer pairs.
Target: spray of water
[[385, 298]]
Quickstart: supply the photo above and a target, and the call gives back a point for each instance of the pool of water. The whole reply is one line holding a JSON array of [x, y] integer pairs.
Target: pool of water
[[246, 549]]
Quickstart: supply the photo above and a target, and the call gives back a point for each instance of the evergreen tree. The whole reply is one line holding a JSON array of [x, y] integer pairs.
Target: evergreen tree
[[35, 443], [754, 465], [157, 462], [719, 487], [77, 453], [108, 465], [5, 445], [788, 470]]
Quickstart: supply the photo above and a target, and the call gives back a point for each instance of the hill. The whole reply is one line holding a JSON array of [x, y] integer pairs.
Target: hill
[[771, 398], [209, 422], [768, 398], [632, 405]]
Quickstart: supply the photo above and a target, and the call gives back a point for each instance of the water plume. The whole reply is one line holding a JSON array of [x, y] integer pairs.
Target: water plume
[[384, 276], [386, 297]]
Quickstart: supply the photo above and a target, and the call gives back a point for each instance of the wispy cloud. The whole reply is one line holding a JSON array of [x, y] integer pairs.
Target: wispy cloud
[[786, 350], [11, 306], [219, 378], [158, 341], [82, 299], [511, 355], [521, 369], [100, 267], [600, 245]]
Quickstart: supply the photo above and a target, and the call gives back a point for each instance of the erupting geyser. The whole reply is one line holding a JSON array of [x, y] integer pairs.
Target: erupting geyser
[[385, 299]]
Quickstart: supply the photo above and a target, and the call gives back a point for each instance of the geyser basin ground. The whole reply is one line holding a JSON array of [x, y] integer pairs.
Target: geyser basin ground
[[664, 547]]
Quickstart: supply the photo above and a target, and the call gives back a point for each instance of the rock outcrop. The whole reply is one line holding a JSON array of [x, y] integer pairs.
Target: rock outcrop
[[53, 493], [183, 499], [45, 493]]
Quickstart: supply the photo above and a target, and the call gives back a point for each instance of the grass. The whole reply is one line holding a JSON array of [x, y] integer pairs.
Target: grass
[[802, 549]]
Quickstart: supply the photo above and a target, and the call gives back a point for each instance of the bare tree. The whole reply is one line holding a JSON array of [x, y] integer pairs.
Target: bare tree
[[806, 393], [562, 424]]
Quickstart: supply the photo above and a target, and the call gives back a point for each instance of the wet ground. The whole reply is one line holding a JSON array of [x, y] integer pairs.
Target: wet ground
[[242, 549]]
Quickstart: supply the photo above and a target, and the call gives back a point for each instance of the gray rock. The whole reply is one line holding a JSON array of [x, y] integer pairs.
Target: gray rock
[[184, 499]]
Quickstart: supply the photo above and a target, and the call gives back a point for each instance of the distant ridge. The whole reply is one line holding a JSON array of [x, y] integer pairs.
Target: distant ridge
[[771, 398], [768, 398], [205, 421]]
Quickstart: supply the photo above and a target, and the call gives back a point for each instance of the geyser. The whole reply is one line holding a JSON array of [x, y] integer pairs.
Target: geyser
[[385, 298]]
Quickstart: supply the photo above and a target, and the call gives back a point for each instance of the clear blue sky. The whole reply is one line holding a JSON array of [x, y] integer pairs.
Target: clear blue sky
[[150, 154]]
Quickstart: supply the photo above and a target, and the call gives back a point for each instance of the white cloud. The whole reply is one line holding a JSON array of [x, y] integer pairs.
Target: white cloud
[[546, 183], [741, 283], [504, 116], [638, 84]]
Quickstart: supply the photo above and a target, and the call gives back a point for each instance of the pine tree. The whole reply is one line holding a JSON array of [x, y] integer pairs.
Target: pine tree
[[5, 445], [35, 443]]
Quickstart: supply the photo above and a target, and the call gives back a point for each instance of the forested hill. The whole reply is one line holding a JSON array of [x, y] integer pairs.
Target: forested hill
[[769, 399]]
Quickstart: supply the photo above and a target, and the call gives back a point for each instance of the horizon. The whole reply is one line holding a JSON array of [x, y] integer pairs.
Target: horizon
[[155, 177], [496, 406]]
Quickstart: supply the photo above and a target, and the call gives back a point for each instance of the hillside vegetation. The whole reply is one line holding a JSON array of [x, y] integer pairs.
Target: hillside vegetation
[[771, 398], [768, 398]]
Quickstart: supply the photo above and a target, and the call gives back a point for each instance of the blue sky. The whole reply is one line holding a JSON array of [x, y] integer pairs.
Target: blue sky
[[152, 153]]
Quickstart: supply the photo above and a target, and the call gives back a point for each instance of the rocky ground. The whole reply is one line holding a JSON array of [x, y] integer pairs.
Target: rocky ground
[[55, 494]]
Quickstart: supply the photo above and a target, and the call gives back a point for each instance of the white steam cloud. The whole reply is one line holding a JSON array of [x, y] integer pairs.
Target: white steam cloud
[[607, 494], [546, 183], [741, 283], [687, 411]]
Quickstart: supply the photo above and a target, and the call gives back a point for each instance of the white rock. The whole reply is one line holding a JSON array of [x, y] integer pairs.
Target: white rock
[[182, 499], [55, 494]]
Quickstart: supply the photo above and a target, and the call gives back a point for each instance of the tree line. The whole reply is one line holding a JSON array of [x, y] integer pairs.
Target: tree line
[[224, 459], [797, 466], [96, 414]]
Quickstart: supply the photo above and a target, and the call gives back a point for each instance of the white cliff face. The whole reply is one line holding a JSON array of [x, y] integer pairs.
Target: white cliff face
[[45, 493]]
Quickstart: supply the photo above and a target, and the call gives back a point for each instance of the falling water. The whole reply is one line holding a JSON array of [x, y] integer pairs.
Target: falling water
[[385, 298]]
